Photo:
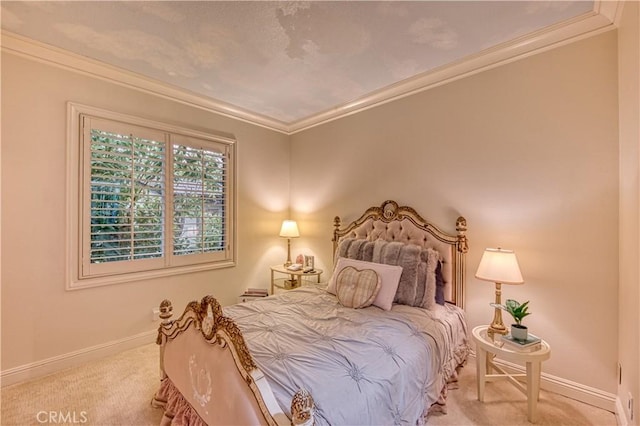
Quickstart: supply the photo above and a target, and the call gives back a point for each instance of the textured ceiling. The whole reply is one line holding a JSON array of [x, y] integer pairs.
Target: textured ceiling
[[282, 60]]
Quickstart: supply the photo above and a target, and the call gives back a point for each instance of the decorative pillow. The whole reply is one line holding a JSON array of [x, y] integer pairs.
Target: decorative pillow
[[431, 261], [354, 248], [357, 288], [408, 257], [343, 247], [421, 282], [439, 285], [389, 279]]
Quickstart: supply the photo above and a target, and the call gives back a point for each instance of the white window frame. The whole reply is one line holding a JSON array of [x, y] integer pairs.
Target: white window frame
[[78, 214]]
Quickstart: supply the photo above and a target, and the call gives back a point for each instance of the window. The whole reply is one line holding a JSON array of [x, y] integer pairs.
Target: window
[[151, 199]]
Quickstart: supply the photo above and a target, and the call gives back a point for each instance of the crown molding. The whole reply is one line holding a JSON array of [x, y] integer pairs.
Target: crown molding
[[611, 10], [599, 20], [604, 17], [41, 52]]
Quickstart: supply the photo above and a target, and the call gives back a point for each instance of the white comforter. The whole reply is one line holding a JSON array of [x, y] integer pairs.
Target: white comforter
[[362, 366]]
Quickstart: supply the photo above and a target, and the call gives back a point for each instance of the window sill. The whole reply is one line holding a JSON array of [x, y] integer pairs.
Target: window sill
[[73, 283]]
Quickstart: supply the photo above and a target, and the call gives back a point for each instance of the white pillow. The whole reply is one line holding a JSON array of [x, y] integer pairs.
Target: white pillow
[[389, 279]]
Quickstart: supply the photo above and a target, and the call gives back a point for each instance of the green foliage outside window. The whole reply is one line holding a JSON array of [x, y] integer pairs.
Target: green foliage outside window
[[198, 200], [128, 194]]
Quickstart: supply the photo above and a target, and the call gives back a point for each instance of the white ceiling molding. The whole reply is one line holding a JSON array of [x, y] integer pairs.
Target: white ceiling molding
[[612, 10], [603, 18], [26, 47], [584, 26]]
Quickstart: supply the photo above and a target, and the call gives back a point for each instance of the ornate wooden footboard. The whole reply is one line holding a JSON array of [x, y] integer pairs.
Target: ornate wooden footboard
[[207, 371]]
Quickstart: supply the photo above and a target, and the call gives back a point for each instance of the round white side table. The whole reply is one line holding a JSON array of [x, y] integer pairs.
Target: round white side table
[[487, 350]]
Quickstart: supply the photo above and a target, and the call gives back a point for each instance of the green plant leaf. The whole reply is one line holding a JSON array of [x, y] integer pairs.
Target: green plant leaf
[[518, 311]]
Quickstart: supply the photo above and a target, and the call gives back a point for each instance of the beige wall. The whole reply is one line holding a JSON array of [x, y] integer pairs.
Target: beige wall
[[41, 320], [629, 292], [528, 153]]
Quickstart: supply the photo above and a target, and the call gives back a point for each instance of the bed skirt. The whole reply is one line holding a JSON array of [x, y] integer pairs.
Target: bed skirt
[[440, 406], [177, 411]]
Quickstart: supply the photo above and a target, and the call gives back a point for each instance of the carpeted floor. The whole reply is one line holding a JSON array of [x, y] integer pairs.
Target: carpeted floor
[[505, 405], [113, 391], [118, 390]]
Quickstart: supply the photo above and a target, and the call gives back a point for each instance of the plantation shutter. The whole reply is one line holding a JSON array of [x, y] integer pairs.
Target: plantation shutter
[[200, 196], [124, 198], [152, 199]]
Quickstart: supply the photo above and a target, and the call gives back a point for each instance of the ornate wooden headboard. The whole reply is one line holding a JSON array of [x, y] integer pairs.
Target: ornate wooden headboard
[[392, 222]]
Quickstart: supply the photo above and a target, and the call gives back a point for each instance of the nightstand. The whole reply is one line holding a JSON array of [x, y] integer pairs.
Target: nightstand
[[487, 350], [292, 280]]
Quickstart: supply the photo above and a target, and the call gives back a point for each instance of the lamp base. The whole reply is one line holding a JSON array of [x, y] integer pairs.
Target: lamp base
[[496, 329], [497, 326], [288, 262]]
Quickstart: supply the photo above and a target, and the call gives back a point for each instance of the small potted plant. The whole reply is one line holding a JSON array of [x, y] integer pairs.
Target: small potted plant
[[518, 312]]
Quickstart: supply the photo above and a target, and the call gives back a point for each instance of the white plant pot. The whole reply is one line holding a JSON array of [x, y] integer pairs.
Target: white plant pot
[[519, 332]]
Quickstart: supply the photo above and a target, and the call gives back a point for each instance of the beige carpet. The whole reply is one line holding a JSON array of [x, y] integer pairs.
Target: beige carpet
[[118, 391], [114, 391], [505, 405]]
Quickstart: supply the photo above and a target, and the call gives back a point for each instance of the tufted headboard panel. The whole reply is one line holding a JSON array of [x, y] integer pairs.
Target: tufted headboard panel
[[391, 222]]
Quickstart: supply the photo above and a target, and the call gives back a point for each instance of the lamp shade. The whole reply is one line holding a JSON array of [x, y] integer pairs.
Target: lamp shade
[[499, 266], [289, 229]]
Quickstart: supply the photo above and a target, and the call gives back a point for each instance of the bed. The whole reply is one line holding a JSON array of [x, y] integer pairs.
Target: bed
[[377, 344]]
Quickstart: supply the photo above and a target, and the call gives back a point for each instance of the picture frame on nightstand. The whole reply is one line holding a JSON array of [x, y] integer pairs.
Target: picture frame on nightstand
[[309, 263]]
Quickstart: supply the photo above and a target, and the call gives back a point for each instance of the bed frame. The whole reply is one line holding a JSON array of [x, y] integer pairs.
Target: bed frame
[[229, 388]]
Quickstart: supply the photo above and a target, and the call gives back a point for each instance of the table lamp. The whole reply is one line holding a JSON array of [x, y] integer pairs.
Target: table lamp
[[501, 267], [289, 230]]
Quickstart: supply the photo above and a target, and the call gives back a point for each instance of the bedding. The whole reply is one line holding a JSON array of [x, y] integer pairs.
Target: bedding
[[362, 366]]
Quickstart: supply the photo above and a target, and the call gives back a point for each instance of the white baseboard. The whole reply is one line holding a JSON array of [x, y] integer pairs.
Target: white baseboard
[[621, 415], [579, 392], [73, 359]]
